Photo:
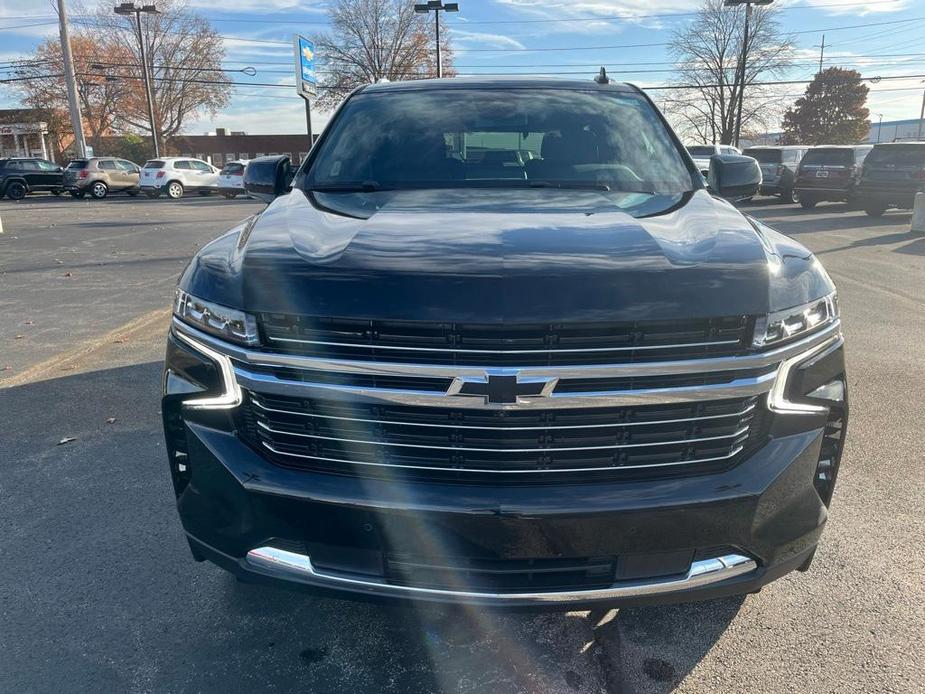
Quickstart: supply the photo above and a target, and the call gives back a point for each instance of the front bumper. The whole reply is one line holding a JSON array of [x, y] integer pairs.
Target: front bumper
[[765, 509], [667, 539]]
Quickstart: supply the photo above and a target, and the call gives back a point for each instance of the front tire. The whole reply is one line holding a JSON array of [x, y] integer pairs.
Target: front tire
[[16, 190], [175, 190], [99, 190], [788, 197], [875, 210]]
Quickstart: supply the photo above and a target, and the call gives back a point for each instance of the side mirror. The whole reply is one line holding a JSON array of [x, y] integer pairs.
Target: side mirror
[[266, 178], [733, 176], [60, 169]]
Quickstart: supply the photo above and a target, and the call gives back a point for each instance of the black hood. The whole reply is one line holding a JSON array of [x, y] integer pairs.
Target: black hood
[[490, 255]]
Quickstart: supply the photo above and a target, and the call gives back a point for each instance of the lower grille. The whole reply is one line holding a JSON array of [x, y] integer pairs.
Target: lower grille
[[466, 445]]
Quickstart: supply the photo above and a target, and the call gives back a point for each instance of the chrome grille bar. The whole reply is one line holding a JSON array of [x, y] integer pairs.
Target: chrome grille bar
[[611, 425], [549, 449], [608, 468]]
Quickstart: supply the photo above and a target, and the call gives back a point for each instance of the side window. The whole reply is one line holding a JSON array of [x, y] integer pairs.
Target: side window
[[126, 165], [200, 166], [29, 165], [46, 165], [182, 165], [107, 165]]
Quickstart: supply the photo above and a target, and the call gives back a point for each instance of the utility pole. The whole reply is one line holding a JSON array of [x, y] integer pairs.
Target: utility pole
[[821, 53], [71, 81], [127, 9], [743, 59], [879, 127], [437, 6], [921, 118]]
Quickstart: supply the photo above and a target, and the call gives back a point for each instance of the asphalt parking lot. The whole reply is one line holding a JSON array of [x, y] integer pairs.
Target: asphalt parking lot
[[98, 592]]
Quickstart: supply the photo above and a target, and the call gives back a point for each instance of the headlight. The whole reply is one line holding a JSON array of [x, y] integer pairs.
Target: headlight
[[793, 322], [221, 321]]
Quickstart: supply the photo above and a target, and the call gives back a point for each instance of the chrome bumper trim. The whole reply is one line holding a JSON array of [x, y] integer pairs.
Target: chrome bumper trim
[[759, 360], [280, 563], [739, 388]]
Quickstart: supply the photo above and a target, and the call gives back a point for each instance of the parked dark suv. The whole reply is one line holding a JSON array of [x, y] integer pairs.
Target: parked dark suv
[[431, 370], [778, 168], [20, 176], [830, 173], [893, 173]]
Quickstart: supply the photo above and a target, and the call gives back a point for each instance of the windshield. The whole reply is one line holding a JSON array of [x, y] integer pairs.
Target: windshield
[[77, 164], [899, 155], [701, 151], [154, 164], [765, 156], [492, 137]]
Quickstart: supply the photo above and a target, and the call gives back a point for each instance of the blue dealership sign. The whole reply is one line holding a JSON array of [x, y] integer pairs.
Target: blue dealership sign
[[306, 79]]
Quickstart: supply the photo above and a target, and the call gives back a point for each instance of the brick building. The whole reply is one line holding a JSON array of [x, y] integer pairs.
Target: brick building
[[226, 146]]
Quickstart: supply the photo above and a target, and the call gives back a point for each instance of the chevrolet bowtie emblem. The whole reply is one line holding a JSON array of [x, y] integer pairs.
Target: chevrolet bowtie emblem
[[504, 387]]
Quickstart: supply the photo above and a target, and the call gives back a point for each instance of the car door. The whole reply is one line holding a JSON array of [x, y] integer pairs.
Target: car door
[[183, 172], [51, 175], [206, 175], [112, 174], [130, 173]]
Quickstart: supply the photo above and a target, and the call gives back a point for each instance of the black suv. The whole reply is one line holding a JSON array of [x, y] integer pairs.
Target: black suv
[[497, 343], [893, 173], [830, 173], [20, 176]]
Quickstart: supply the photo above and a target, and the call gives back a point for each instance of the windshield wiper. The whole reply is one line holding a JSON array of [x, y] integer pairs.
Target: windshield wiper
[[577, 185], [355, 187]]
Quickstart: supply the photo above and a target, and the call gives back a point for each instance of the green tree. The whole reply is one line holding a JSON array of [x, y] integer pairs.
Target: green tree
[[833, 110]]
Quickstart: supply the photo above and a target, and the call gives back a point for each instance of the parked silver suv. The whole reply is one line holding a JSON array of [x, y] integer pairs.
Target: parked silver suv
[[100, 176]]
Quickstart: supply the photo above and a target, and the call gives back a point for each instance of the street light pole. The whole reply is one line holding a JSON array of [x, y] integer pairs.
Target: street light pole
[[70, 80], [126, 9], [437, 6], [743, 59], [879, 127], [921, 118]]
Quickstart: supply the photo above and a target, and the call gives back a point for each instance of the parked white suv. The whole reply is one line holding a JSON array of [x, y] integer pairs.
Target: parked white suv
[[701, 154], [231, 178], [176, 175]]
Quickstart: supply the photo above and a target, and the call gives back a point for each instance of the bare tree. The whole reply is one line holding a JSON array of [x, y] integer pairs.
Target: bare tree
[[41, 86], [372, 40], [184, 58], [706, 56]]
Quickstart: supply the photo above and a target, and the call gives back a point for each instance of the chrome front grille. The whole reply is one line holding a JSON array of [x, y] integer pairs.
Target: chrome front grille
[[531, 423], [321, 434]]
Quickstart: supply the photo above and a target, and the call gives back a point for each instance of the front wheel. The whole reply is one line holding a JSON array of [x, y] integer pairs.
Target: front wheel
[[16, 191], [99, 190], [789, 196], [874, 210], [175, 190]]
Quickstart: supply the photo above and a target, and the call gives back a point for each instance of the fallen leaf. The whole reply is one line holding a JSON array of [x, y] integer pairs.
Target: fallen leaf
[[66, 439]]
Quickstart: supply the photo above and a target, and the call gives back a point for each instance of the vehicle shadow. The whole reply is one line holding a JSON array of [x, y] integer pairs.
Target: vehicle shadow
[[86, 487]]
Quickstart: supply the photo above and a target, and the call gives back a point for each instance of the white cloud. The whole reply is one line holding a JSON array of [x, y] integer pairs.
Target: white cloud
[[469, 39], [881, 6]]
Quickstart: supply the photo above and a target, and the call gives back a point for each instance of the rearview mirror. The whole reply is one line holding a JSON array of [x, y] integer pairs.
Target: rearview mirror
[[733, 176], [267, 178]]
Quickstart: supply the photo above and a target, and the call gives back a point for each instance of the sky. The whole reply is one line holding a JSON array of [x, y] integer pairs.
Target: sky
[[573, 38]]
